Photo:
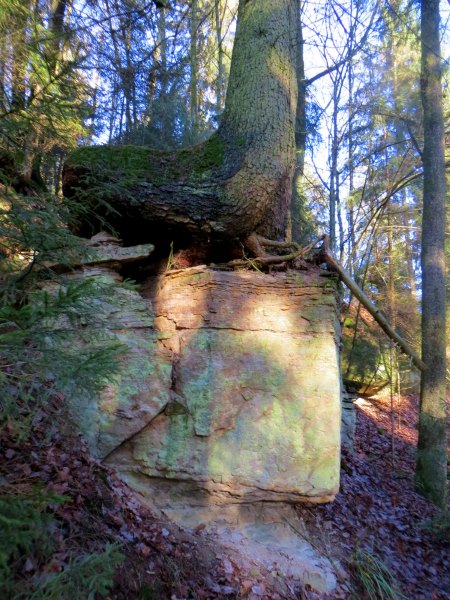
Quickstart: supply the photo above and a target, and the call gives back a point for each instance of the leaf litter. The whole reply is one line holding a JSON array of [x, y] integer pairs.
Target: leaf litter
[[376, 510]]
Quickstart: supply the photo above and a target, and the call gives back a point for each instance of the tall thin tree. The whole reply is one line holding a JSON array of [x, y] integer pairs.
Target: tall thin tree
[[431, 468]]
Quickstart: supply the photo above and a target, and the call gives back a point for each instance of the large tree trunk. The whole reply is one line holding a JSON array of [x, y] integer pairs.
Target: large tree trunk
[[431, 472], [237, 182]]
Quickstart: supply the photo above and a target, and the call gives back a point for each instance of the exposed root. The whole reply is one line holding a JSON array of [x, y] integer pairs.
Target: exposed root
[[257, 244]]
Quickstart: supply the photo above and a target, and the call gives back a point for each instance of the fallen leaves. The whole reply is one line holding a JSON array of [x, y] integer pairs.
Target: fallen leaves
[[100, 509], [377, 508]]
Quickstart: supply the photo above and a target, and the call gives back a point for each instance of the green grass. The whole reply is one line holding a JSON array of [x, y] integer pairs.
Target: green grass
[[374, 577]]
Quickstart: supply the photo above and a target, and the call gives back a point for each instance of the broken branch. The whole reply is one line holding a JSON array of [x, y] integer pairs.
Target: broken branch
[[369, 306]]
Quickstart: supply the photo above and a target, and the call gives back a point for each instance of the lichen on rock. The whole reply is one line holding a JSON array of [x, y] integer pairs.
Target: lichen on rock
[[255, 405]]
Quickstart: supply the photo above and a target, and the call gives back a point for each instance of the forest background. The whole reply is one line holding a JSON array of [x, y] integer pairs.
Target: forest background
[[130, 73], [146, 73]]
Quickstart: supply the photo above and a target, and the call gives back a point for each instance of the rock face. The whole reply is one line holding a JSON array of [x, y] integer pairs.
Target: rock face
[[230, 391], [348, 420]]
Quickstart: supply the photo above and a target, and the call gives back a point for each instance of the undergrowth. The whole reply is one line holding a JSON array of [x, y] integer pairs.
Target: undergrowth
[[51, 348], [85, 577], [26, 544], [374, 576]]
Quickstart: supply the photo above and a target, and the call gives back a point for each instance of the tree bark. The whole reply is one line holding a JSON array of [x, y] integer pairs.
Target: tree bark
[[431, 466], [220, 58], [298, 194], [193, 63], [240, 180]]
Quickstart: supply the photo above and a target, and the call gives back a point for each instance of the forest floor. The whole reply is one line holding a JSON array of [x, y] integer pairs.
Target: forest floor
[[376, 516], [377, 512]]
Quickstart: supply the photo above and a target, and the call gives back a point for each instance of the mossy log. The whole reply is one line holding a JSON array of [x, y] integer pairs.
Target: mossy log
[[235, 183]]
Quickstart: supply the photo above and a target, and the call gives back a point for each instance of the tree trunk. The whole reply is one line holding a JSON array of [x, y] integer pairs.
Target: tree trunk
[[334, 174], [351, 187], [220, 58], [19, 60], [166, 130], [56, 28], [431, 468], [193, 63], [238, 181], [298, 193]]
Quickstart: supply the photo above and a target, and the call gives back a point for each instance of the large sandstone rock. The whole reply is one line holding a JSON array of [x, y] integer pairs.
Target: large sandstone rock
[[226, 403], [230, 391]]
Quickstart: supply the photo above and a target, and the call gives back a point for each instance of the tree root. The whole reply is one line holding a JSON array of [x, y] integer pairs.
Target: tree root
[[257, 244]]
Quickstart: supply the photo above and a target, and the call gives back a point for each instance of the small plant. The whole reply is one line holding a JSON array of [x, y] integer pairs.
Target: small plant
[[374, 576], [170, 258], [43, 351], [146, 592], [25, 523], [85, 578], [129, 284]]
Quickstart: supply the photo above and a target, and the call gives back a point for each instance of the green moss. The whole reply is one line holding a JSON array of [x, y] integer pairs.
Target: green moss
[[175, 450], [200, 159], [135, 164], [331, 283]]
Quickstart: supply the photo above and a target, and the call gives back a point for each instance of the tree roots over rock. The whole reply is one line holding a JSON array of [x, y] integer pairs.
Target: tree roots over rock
[[257, 245]]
